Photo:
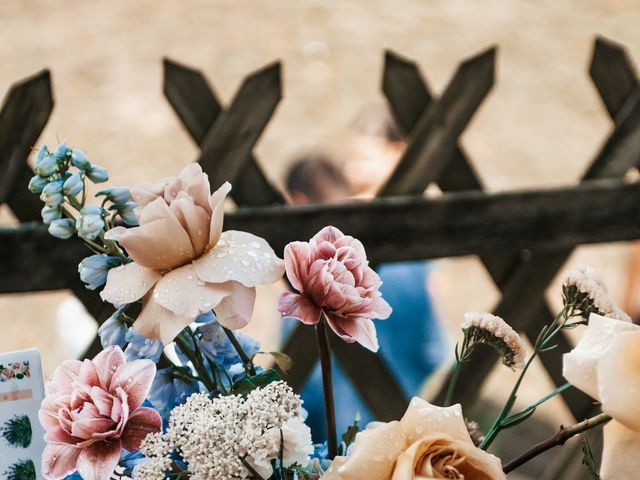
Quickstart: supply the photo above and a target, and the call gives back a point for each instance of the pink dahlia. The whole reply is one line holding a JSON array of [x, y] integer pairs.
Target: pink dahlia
[[92, 409], [333, 276]]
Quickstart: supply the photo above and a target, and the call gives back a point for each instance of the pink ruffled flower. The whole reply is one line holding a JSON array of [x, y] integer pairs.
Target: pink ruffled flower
[[184, 264], [92, 409], [333, 276]]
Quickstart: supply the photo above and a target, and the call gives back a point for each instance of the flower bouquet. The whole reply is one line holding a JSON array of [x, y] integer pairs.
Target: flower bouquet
[[176, 392]]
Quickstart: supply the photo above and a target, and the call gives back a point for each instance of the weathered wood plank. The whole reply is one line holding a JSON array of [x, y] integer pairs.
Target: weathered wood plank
[[612, 73], [197, 106], [434, 137], [25, 112], [453, 225], [228, 143]]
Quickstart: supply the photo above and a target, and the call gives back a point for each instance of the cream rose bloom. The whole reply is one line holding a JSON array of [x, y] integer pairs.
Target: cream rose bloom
[[605, 364], [429, 442]]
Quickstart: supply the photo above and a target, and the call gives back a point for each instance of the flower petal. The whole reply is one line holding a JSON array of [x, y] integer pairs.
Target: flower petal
[[298, 306], [196, 184], [423, 417], [62, 377], [235, 310], [216, 203], [135, 379], [580, 365], [242, 257], [620, 453], [107, 362], [351, 330], [619, 377], [297, 259], [58, 461], [141, 423], [98, 461], [375, 453], [158, 323], [128, 283], [160, 242], [194, 219], [182, 292]]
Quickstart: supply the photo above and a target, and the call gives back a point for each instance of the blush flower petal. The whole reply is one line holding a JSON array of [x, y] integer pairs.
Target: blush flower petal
[[301, 308], [128, 283], [158, 323], [186, 295], [160, 242], [107, 363], [352, 330], [61, 381], [235, 310], [216, 204], [135, 378], [194, 219], [98, 461], [141, 423], [242, 257], [58, 461], [297, 260]]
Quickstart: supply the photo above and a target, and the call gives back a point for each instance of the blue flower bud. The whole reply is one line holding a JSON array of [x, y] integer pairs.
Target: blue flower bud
[[52, 193], [114, 330], [116, 194], [49, 214], [90, 222], [80, 160], [97, 174], [93, 270], [142, 347], [37, 183], [73, 185], [62, 228], [61, 152], [43, 151], [125, 210], [46, 166]]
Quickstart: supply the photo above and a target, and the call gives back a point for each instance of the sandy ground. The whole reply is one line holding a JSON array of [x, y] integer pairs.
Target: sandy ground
[[540, 126]]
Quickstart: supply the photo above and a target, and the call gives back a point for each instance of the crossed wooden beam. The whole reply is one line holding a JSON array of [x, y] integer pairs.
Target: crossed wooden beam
[[226, 138]]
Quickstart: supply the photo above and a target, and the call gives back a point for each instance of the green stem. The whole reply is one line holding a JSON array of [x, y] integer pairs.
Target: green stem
[[543, 339], [195, 361], [324, 349], [535, 405], [248, 364], [452, 383]]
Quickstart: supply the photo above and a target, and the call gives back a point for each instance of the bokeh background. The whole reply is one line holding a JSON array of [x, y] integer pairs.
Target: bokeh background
[[540, 126]]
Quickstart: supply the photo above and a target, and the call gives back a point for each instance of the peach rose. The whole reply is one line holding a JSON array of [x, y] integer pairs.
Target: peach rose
[[605, 365], [429, 442], [183, 263]]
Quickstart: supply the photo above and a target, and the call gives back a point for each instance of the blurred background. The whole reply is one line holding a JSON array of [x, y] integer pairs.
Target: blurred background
[[540, 127]]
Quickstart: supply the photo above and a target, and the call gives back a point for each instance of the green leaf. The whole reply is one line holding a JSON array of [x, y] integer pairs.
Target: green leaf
[[283, 360], [244, 386], [588, 460]]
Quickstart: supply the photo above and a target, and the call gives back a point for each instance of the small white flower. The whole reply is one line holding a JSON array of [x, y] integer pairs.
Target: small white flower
[[585, 290], [481, 327]]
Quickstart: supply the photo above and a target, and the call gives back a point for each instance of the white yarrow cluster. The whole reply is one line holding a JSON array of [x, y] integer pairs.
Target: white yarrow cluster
[[584, 287], [487, 328], [215, 436]]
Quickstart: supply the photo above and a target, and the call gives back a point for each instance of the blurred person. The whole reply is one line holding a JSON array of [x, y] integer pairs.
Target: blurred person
[[411, 341], [314, 178], [632, 295], [374, 148]]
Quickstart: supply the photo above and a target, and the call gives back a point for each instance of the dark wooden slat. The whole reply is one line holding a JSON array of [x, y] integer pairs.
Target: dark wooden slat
[[453, 225], [25, 112], [613, 160], [196, 105], [228, 143], [434, 137], [612, 73]]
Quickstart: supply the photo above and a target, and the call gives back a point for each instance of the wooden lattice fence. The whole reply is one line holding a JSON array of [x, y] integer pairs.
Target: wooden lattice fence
[[523, 238]]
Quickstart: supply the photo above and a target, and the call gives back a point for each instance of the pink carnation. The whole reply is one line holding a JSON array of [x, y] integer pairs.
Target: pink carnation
[[333, 276], [92, 410]]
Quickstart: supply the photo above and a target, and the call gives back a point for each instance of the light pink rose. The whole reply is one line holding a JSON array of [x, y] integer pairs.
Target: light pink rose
[[184, 264], [333, 276], [92, 409]]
